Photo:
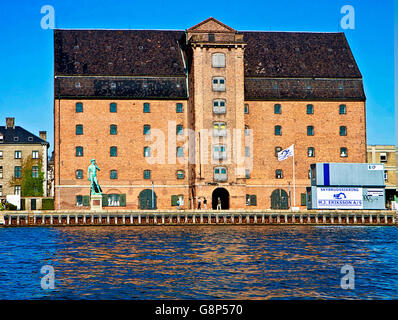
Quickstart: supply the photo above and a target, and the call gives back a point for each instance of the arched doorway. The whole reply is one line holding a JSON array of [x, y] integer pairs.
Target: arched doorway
[[145, 199], [223, 194], [279, 199]]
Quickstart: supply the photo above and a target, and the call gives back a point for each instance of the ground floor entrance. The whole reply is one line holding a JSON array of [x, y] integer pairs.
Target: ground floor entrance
[[279, 199], [220, 198], [145, 199]]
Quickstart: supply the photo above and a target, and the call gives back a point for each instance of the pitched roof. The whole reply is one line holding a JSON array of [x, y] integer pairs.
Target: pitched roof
[[19, 135], [118, 52], [298, 55], [211, 25]]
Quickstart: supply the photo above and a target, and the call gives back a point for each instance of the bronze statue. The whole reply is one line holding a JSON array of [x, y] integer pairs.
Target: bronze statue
[[92, 176]]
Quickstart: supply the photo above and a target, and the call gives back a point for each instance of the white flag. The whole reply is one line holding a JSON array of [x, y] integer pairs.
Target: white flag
[[284, 154]]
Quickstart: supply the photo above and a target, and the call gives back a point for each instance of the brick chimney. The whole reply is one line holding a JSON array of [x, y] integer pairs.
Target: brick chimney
[[43, 135], [10, 123]]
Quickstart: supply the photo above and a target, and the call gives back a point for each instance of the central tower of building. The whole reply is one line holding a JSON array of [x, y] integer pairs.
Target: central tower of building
[[216, 80]]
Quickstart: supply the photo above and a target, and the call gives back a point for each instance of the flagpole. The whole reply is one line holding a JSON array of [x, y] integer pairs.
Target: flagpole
[[294, 182]]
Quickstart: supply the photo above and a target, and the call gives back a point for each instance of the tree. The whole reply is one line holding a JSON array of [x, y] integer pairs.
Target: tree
[[31, 186]]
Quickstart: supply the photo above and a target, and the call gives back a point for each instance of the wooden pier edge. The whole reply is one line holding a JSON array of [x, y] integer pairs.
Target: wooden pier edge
[[196, 217]]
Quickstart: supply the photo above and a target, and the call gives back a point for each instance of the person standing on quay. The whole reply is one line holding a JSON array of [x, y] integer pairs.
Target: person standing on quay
[[219, 203], [199, 204], [205, 203]]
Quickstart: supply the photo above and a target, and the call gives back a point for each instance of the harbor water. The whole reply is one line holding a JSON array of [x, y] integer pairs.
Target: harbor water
[[199, 262]]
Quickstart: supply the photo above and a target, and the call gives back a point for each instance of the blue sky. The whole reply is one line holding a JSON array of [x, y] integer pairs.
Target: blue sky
[[26, 58]]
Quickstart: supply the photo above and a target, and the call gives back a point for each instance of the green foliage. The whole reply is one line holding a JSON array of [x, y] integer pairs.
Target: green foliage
[[10, 206], [47, 204], [30, 186]]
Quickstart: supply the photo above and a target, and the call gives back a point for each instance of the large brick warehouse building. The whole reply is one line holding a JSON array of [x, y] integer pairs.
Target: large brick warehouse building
[[201, 113]]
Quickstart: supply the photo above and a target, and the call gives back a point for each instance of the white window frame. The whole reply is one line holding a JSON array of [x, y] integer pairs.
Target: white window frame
[[383, 157], [218, 60], [17, 190], [218, 86], [17, 154], [35, 154], [218, 154], [219, 132], [220, 176], [217, 108]]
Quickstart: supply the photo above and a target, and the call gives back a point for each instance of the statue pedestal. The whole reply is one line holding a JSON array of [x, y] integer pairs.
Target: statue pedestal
[[96, 202]]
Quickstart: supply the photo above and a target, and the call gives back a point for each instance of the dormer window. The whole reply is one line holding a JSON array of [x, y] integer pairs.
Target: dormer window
[[16, 139], [30, 138]]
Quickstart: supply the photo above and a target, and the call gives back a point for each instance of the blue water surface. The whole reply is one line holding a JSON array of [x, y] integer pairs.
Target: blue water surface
[[199, 262]]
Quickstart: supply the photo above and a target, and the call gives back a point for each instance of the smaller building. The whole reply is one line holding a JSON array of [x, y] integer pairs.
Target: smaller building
[[17, 145], [387, 155], [353, 186]]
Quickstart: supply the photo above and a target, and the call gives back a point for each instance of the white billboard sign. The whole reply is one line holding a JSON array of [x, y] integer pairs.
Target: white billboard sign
[[339, 198]]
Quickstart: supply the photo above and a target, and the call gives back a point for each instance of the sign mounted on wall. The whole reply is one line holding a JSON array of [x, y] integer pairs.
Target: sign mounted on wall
[[339, 198]]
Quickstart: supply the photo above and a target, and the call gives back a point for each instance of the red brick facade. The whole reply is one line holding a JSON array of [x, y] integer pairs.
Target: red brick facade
[[177, 176]]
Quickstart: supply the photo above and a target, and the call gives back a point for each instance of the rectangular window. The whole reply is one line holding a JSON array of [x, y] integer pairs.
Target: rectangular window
[[180, 129], [113, 151], [79, 201], [79, 151], [383, 157], [1, 172], [35, 172], [113, 129], [79, 129], [311, 152], [247, 173], [310, 109], [35, 154], [278, 174], [113, 174], [343, 131], [385, 175], [17, 172], [79, 174], [79, 107], [277, 150], [310, 131], [113, 200], [147, 151], [218, 60], [218, 84], [278, 130], [246, 108], [303, 199], [113, 107], [18, 154], [247, 152], [251, 200], [180, 174], [343, 152], [147, 129], [180, 152], [147, 174], [17, 190], [277, 109], [1, 190], [219, 106], [1, 154], [342, 109], [147, 108], [179, 108]]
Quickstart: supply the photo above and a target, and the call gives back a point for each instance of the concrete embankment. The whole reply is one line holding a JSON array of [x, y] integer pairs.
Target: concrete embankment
[[196, 217]]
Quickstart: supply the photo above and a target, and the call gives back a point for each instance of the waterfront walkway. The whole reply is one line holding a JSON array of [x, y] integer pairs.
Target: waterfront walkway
[[196, 217]]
